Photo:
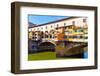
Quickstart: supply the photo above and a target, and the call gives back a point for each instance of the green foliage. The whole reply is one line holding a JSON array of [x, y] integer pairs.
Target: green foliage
[[42, 56]]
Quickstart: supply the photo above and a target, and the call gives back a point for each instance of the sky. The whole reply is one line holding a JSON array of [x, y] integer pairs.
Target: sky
[[42, 19]]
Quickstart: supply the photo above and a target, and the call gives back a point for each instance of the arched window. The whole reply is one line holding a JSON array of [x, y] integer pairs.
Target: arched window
[[57, 25]]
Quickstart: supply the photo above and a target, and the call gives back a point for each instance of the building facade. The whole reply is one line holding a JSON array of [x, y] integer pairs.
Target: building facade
[[74, 29]]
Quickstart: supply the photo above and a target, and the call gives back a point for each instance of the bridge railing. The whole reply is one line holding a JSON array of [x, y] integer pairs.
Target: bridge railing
[[48, 40]]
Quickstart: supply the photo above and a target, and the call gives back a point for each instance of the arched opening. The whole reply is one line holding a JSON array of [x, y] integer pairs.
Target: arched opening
[[46, 46]]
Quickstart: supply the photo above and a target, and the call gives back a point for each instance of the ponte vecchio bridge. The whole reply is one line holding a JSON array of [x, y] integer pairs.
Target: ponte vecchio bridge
[[62, 36]]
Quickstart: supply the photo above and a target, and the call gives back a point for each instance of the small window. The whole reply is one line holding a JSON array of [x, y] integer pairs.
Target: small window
[[37, 28], [75, 30], [73, 23], [46, 27], [80, 30], [46, 36], [50, 36], [81, 36], [57, 25], [85, 37], [84, 20], [64, 24], [51, 26]]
